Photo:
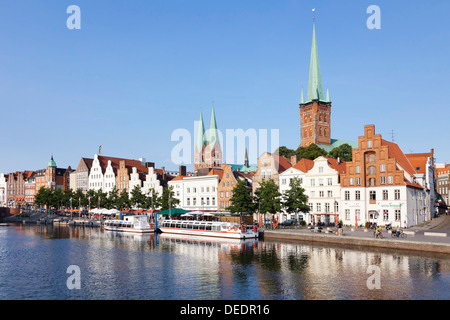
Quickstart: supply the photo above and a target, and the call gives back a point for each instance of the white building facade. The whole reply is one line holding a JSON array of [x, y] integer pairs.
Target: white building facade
[[322, 185], [3, 190], [196, 193], [298, 171]]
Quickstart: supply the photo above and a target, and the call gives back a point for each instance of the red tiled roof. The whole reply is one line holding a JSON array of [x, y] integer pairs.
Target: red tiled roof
[[129, 163], [339, 167], [177, 178], [304, 165], [218, 172], [442, 171], [396, 153], [415, 185], [419, 160]]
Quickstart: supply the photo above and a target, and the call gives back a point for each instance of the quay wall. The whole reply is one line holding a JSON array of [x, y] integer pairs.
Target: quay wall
[[358, 241]]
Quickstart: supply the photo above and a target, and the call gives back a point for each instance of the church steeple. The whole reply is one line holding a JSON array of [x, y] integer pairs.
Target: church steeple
[[200, 134], [315, 113], [213, 134], [315, 91]]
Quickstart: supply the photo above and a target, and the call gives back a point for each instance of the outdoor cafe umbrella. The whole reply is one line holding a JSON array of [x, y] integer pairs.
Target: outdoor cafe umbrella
[[112, 211], [186, 215], [196, 212]]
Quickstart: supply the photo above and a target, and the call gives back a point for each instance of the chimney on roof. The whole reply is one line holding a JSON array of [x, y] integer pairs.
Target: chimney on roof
[[182, 171], [293, 160], [150, 165], [338, 160]]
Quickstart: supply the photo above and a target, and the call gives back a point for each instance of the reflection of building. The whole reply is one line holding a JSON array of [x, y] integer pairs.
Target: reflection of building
[[380, 185]]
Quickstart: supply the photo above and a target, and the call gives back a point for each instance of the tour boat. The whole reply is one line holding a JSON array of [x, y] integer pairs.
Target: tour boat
[[136, 224], [209, 228]]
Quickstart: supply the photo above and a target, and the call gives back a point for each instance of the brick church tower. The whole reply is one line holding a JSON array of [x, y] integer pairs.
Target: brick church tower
[[315, 113]]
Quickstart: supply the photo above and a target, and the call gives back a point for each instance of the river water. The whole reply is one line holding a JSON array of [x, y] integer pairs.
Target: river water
[[35, 264]]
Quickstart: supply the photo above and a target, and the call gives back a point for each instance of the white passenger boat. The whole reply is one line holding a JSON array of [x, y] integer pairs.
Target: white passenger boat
[[209, 228], [136, 224]]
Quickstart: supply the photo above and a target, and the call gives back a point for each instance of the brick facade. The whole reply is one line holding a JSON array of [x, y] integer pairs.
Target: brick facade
[[315, 123]]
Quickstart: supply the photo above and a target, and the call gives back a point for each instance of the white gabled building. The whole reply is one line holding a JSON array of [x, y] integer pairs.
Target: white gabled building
[[152, 182], [322, 185], [299, 171]]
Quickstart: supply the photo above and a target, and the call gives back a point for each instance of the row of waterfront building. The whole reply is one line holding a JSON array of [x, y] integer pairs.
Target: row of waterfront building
[[381, 184]]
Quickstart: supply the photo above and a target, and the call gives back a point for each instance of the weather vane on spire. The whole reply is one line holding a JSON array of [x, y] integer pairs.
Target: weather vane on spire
[[314, 14]]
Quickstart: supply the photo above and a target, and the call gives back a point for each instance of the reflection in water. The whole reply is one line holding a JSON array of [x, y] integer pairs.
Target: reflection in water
[[34, 260]]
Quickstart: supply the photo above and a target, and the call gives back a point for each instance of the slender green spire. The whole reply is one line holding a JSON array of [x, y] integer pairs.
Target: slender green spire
[[302, 98], [328, 96], [213, 133], [315, 91], [200, 134]]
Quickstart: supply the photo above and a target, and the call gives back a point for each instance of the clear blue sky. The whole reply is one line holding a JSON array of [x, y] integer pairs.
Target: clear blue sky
[[137, 70]]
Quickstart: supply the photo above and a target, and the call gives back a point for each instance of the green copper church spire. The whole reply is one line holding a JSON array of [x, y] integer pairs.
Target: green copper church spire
[[315, 91], [200, 134], [302, 98], [213, 133]]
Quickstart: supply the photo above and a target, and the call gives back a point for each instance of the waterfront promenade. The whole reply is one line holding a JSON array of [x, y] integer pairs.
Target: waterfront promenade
[[432, 236]]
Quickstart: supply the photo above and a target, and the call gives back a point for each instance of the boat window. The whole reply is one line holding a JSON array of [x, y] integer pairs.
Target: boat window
[[195, 227], [183, 226], [208, 227]]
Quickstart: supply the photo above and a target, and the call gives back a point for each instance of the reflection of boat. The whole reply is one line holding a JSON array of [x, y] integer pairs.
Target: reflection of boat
[[137, 224], [209, 229]]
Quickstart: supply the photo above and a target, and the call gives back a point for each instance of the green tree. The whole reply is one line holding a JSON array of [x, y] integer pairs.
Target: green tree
[[44, 197], [101, 198], [168, 201], [89, 199], [344, 152], [112, 199], [67, 198], [57, 198], [310, 152], [285, 152], [152, 200], [137, 198], [241, 200], [123, 201], [78, 198], [294, 199], [268, 198]]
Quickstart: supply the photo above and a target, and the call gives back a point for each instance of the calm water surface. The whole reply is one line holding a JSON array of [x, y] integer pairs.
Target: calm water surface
[[34, 261]]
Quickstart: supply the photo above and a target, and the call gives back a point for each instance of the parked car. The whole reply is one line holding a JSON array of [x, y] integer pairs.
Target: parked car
[[287, 223]]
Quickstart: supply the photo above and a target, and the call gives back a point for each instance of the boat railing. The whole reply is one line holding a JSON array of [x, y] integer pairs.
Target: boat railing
[[208, 226]]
